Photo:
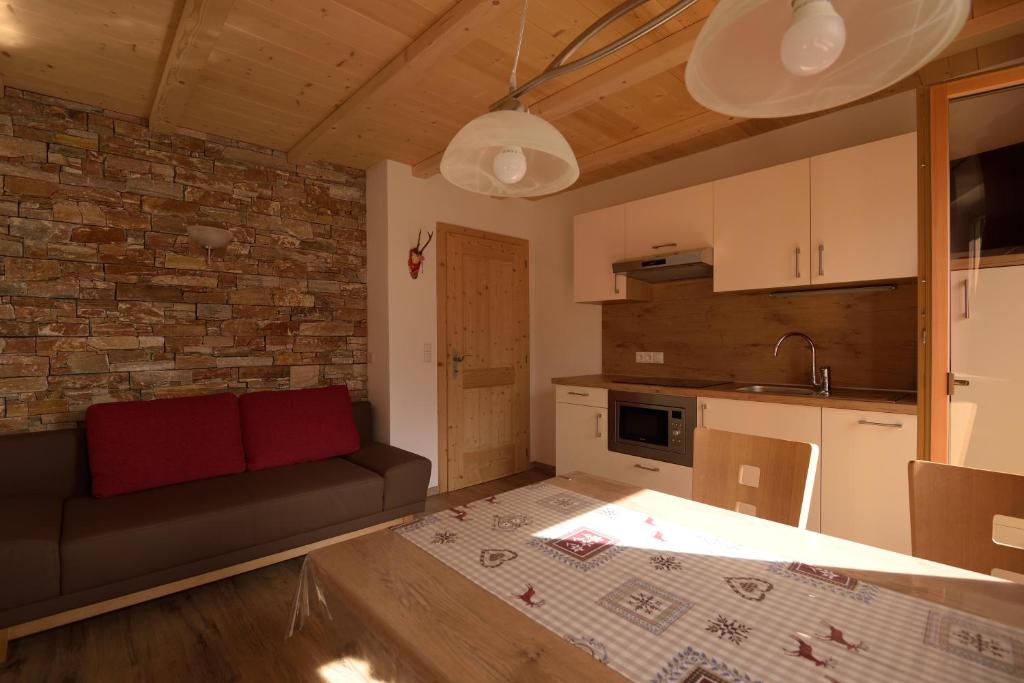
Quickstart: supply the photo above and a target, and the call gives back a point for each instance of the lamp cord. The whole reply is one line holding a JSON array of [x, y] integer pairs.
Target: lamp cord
[[512, 84]]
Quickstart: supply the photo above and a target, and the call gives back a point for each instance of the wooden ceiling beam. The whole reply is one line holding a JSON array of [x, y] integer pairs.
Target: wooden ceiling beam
[[674, 50], [669, 52], [988, 28], [456, 28], [197, 31], [674, 133]]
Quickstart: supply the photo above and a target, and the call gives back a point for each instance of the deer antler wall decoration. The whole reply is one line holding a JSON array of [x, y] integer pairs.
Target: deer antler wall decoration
[[416, 257]]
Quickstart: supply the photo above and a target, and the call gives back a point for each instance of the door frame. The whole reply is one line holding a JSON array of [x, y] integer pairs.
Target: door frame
[[441, 231], [934, 263]]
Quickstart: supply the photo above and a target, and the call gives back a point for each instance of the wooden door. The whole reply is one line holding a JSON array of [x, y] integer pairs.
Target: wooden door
[[486, 404], [773, 420], [864, 212], [598, 242], [674, 221], [865, 495], [941, 299], [762, 228]]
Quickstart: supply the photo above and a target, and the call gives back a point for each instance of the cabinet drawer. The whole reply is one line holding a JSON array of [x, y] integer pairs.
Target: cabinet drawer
[[641, 472], [581, 396]]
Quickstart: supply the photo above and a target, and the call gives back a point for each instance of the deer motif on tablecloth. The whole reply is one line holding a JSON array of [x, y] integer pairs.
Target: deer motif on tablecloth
[[836, 636], [527, 597], [806, 651]]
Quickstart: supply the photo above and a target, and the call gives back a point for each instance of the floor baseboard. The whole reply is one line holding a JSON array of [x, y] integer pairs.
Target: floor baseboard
[[543, 467]]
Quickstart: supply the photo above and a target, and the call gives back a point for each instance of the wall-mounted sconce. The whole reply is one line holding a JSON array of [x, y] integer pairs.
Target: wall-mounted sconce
[[209, 237]]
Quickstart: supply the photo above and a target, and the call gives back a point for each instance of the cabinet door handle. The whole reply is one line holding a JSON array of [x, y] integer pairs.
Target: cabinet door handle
[[597, 425], [967, 299], [662, 246], [894, 425], [645, 467], [703, 413], [797, 253], [578, 393], [821, 259], [615, 279]]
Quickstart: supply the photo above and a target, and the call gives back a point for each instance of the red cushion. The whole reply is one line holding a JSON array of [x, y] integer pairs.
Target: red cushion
[[142, 445], [286, 427]]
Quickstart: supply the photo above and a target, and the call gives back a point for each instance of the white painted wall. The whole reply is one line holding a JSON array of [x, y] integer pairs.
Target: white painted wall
[[565, 338]]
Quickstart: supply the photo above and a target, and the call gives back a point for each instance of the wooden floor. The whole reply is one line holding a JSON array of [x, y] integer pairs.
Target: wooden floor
[[232, 630]]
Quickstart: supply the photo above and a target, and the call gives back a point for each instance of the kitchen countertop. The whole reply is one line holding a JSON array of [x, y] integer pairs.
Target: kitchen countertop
[[905, 406]]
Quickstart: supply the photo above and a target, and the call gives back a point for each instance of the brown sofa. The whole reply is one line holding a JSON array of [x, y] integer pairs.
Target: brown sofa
[[61, 548]]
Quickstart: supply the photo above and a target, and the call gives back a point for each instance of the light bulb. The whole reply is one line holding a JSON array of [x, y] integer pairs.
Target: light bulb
[[815, 39], [510, 165]]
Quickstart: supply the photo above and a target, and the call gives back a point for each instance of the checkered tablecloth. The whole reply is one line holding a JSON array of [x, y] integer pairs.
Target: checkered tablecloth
[[658, 602]]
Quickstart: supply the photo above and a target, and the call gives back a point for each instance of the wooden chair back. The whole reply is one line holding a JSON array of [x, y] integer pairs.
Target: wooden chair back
[[767, 478], [955, 517]]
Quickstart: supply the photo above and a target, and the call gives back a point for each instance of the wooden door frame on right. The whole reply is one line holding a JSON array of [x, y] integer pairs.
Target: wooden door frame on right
[[934, 259], [442, 231]]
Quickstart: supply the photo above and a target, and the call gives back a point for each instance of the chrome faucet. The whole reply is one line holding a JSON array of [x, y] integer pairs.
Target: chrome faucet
[[824, 385]]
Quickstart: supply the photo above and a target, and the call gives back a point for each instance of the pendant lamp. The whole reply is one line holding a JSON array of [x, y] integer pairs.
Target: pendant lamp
[[773, 58], [510, 153]]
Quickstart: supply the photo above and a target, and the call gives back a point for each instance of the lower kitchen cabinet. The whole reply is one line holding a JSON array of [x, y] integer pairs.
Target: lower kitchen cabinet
[[581, 437], [772, 420], [865, 494], [860, 493], [581, 445]]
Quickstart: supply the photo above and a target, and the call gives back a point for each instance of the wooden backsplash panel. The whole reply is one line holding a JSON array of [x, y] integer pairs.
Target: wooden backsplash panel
[[867, 338]]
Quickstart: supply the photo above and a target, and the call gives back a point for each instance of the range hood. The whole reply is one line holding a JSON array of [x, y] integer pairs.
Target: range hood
[[681, 265]]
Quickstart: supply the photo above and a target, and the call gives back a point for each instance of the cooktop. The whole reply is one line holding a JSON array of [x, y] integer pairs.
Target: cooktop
[[670, 382]]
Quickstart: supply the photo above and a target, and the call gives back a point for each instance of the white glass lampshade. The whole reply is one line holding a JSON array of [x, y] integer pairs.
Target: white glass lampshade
[[740, 65], [488, 154]]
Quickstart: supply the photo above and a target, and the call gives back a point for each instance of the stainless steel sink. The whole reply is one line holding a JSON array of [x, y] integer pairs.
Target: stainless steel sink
[[783, 389], [880, 395]]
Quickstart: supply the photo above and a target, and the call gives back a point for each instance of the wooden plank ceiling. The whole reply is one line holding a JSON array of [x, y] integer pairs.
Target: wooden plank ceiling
[[357, 81]]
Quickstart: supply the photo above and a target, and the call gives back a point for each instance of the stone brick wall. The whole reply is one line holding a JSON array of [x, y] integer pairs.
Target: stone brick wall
[[104, 298]]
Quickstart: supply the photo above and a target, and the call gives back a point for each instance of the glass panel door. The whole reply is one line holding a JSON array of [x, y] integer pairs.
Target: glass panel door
[[986, 164]]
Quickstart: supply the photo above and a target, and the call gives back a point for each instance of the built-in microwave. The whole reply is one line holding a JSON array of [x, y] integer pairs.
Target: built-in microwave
[[654, 426]]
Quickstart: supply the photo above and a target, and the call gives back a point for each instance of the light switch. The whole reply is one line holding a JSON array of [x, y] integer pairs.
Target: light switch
[[428, 352]]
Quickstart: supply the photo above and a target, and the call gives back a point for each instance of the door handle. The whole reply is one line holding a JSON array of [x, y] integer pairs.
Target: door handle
[[952, 383], [967, 299], [457, 360], [821, 259], [597, 426], [797, 253], [615, 279], [645, 467], [662, 246]]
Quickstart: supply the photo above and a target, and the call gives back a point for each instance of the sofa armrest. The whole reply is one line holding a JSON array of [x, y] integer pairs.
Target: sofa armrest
[[406, 475]]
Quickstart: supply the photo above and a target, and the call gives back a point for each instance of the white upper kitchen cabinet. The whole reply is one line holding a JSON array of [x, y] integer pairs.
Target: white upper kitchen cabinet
[[671, 222], [599, 240], [864, 212], [773, 420], [762, 228], [865, 493]]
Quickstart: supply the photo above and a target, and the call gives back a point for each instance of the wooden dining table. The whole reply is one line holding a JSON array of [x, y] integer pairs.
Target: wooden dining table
[[441, 625]]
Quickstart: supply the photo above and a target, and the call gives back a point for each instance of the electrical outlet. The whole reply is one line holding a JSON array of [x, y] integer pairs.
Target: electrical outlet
[[641, 357], [428, 352], [658, 357], [650, 356]]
